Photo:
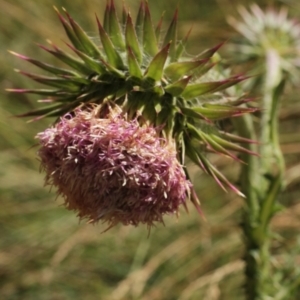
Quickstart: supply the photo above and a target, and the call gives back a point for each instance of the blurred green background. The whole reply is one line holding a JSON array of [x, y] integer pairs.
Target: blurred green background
[[45, 253]]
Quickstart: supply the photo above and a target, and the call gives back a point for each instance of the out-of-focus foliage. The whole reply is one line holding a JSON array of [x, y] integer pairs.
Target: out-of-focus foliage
[[46, 254]]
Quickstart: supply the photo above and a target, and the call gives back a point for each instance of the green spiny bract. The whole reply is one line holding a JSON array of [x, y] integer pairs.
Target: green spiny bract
[[148, 77]]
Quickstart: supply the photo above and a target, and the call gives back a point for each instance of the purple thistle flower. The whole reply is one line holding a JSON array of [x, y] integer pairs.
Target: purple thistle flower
[[112, 169]]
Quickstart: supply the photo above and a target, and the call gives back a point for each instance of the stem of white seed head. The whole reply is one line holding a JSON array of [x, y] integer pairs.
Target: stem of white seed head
[[261, 181]]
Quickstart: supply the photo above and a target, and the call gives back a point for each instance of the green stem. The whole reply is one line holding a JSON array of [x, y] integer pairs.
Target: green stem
[[261, 182]]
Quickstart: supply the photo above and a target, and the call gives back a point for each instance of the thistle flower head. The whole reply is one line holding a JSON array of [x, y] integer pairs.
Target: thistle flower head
[[112, 169], [268, 35], [146, 75]]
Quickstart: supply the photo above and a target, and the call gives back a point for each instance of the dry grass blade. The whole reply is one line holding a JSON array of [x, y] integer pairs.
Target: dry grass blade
[[137, 279], [212, 278]]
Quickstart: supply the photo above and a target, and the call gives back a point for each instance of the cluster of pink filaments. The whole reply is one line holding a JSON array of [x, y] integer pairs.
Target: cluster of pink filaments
[[112, 169]]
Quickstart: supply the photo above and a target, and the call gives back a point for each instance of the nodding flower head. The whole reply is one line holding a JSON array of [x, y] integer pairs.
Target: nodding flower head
[[125, 164], [111, 169]]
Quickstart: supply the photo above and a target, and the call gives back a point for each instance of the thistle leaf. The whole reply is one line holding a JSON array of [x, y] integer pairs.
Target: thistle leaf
[[53, 81], [41, 111], [149, 39], [150, 112], [112, 54], [181, 45], [210, 52], [176, 88], [69, 31], [193, 155], [197, 157], [193, 113], [157, 105], [112, 69], [219, 112], [139, 25], [91, 63], [158, 90], [198, 89], [176, 70], [132, 40], [171, 36], [106, 17], [158, 27], [163, 116], [211, 170], [235, 138], [194, 133], [156, 67], [182, 153], [218, 176], [43, 92], [230, 82], [204, 69], [227, 111], [114, 28], [89, 47], [216, 146], [46, 67], [231, 146], [124, 15], [68, 59], [134, 68]]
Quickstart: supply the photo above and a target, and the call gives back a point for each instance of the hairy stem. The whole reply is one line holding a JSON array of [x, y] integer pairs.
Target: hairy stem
[[261, 182]]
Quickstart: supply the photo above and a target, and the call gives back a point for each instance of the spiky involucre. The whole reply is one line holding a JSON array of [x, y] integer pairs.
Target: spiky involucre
[[149, 79], [112, 169]]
